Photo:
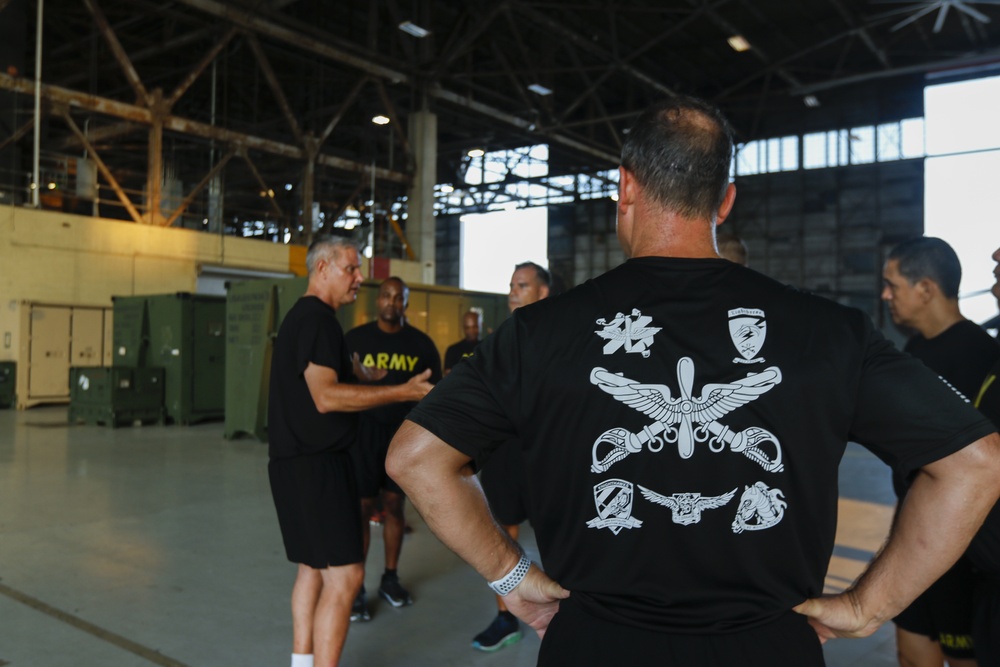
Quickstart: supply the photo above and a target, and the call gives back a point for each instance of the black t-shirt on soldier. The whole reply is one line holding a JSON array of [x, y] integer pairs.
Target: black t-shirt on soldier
[[460, 350], [682, 424], [962, 354], [310, 332], [403, 354]]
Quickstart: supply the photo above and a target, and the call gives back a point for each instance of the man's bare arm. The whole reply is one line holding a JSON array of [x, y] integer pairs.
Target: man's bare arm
[[440, 482], [329, 395], [942, 511]]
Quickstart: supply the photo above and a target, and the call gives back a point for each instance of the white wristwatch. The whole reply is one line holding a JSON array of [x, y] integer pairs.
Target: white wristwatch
[[510, 580]]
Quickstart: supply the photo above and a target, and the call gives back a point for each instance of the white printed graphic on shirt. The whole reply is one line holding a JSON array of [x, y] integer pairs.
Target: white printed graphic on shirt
[[613, 498], [625, 331], [760, 505], [747, 328], [687, 507], [675, 418]]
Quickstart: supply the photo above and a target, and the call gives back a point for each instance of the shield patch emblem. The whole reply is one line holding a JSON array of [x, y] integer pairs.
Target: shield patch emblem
[[747, 329], [613, 498]]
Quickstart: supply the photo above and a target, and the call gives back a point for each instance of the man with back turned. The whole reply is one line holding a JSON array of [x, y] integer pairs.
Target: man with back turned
[[681, 419]]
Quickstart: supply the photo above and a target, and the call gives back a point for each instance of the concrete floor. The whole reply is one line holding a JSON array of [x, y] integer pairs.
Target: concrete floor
[[159, 545]]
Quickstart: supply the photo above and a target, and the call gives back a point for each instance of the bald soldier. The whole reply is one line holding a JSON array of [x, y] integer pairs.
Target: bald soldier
[[472, 323], [681, 419]]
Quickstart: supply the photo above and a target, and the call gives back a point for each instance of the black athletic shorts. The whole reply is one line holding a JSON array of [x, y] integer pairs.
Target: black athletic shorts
[[575, 637], [944, 612], [369, 452], [318, 509], [502, 478]]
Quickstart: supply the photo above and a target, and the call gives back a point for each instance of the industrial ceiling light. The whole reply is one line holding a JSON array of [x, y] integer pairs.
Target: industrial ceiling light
[[447, 189], [411, 28], [540, 89], [810, 101], [476, 152], [380, 120], [739, 43]]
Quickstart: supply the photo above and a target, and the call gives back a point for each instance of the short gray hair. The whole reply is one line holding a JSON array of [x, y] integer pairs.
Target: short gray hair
[[325, 247]]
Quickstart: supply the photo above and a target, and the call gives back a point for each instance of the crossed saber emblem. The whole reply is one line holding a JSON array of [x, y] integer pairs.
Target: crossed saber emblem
[[675, 418]]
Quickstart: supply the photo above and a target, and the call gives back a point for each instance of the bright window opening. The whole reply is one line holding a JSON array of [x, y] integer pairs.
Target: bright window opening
[[963, 139], [493, 243]]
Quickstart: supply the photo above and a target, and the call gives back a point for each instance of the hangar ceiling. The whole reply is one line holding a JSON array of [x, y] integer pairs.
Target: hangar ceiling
[[253, 96]]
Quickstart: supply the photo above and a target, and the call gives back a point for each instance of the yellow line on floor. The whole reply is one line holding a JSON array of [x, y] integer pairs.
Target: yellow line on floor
[[144, 652]]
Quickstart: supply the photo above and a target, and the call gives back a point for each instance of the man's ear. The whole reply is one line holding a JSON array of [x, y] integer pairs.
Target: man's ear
[[626, 188], [726, 207], [927, 289]]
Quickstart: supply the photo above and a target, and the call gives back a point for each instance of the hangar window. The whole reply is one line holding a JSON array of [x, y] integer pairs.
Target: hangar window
[[864, 145]]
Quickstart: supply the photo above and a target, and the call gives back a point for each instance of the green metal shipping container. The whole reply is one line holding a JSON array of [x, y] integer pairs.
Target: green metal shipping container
[[184, 334], [8, 384], [130, 331], [116, 395], [187, 338]]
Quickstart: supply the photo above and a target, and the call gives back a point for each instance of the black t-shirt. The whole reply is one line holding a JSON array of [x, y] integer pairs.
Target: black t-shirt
[[310, 332], [403, 354], [460, 350], [961, 355], [682, 424]]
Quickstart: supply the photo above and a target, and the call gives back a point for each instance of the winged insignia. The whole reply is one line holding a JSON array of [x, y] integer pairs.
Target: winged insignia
[[656, 401], [687, 507]]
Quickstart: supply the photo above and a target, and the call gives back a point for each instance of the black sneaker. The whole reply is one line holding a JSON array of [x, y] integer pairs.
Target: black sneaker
[[503, 631], [393, 592], [359, 610]]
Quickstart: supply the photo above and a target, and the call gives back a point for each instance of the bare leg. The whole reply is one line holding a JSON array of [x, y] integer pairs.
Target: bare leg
[[513, 531], [305, 595], [915, 650], [333, 612], [392, 529]]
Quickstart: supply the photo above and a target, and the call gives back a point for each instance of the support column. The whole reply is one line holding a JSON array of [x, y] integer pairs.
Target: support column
[[420, 223], [154, 180], [308, 192]]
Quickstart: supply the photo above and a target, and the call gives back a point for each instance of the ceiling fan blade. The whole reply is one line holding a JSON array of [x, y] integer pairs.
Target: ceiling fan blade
[[911, 19], [971, 11], [940, 19]]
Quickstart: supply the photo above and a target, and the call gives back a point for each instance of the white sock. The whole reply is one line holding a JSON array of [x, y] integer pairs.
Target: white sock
[[302, 660]]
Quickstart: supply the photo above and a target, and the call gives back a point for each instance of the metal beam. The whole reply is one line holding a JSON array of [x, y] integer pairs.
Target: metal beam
[[198, 188], [863, 33], [97, 135], [129, 206], [275, 85], [142, 115], [249, 20], [265, 189], [588, 45], [521, 123], [262, 26], [986, 57], [677, 27], [468, 37], [344, 106], [195, 72], [119, 52], [397, 125], [18, 133]]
